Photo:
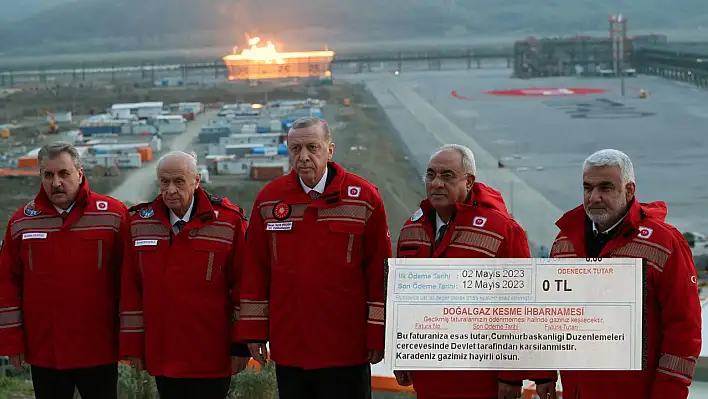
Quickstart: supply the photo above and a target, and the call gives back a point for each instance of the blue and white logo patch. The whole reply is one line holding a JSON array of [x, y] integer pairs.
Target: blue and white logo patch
[[30, 209], [147, 213], [417, 215]]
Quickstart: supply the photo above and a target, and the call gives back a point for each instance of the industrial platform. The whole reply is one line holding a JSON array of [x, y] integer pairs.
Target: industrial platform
[[542, 130]]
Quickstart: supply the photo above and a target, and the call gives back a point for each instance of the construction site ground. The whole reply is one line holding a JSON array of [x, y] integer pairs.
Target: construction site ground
[[365, 142]]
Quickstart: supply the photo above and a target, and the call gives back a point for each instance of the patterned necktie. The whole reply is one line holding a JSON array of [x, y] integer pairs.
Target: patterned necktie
[[179, 225], [441, 234], [314, 195]]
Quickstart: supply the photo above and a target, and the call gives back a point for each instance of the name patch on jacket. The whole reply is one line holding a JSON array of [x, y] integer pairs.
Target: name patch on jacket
[[34, 236], [279, 226], [145, 243]]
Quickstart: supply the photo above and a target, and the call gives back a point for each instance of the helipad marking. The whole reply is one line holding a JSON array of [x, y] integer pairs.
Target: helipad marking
[[457, 95], [547, 92]]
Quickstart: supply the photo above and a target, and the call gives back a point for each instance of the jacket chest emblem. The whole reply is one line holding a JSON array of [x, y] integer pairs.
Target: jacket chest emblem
[[147, 213], [281, 211], [30, 209], [417, 215]]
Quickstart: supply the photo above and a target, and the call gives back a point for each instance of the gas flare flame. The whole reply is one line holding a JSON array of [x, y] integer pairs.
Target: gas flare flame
[[259, 61], [268, 54]]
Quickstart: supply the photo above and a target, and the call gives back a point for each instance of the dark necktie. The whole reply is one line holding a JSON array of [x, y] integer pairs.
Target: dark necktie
[[314, 195], [441, 234], [64, 215], [179, 225]]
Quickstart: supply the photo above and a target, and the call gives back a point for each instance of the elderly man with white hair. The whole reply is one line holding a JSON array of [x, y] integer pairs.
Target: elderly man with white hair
[[463, 218], [613, 223], [180, 286]]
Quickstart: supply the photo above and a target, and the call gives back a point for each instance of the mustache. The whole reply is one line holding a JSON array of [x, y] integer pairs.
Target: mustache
[[58, 191]]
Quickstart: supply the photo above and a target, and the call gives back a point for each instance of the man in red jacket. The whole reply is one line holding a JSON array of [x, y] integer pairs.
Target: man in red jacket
[[462, 218], [613, 223], [313, 282], [179, 302], [59, 277]]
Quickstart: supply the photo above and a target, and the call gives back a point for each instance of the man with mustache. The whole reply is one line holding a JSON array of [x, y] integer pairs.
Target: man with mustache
[[59, 281], [313, 282], [463, 218], [613, 223], [180, 286]]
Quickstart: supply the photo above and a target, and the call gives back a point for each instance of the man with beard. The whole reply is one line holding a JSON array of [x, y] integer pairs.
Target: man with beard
[[613, 223], [59, 279], [463, 218]]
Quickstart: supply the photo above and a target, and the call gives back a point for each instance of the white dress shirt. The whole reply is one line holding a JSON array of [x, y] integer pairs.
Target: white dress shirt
[[319, 187], [174, 218], [439, 223]]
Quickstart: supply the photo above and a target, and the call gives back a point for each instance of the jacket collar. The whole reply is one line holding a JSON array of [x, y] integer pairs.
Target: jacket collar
[[572, 223], [294, 194], [202, 210]]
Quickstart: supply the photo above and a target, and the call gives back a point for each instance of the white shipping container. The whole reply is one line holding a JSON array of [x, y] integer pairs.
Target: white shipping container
[[123, 161], [216, 149], [170, 124], [272, 162], [249, 129], [236, 166], [60, 117], [276, 125]]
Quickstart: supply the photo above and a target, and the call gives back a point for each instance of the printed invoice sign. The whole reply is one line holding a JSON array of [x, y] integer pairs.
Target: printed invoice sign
[[515, 314]]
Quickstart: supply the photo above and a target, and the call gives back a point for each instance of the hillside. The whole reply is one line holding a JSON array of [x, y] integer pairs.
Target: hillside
[[13, 10], [106, 25]]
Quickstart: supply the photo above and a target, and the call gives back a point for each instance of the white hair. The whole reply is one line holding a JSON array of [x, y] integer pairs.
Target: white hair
[[468, 163], [189, 157], [610, 157]]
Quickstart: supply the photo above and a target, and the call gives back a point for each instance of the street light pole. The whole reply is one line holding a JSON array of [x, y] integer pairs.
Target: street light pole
[[622, 39]]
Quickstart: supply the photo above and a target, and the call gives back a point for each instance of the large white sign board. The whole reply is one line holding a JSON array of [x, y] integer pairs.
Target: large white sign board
[[515, 314]]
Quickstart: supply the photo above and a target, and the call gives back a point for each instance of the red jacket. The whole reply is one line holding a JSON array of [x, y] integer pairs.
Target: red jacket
[[481, 228], [178, 291], [673, 318], [313, 283], [59, 282]]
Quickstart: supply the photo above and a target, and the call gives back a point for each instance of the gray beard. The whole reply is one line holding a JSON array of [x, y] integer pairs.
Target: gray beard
[[604, 219]]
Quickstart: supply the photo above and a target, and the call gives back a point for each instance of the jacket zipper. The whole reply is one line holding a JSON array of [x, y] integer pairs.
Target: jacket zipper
[[350, 246], [275, 249], [29, 256], [100, 254], [140, 263], [209, 266]]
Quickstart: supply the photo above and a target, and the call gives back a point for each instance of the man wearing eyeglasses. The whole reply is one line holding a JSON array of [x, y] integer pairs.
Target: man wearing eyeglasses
[[462, 218]]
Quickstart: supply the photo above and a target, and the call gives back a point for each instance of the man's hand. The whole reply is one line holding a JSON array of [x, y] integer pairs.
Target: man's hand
[[507, 391], [404, 378], [375, 356], [238, 364], [136, 363], [18, 361], [546, 391], [259, 352]]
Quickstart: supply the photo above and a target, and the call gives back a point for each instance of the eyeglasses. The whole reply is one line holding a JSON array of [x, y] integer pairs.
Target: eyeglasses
[[445, 177]]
